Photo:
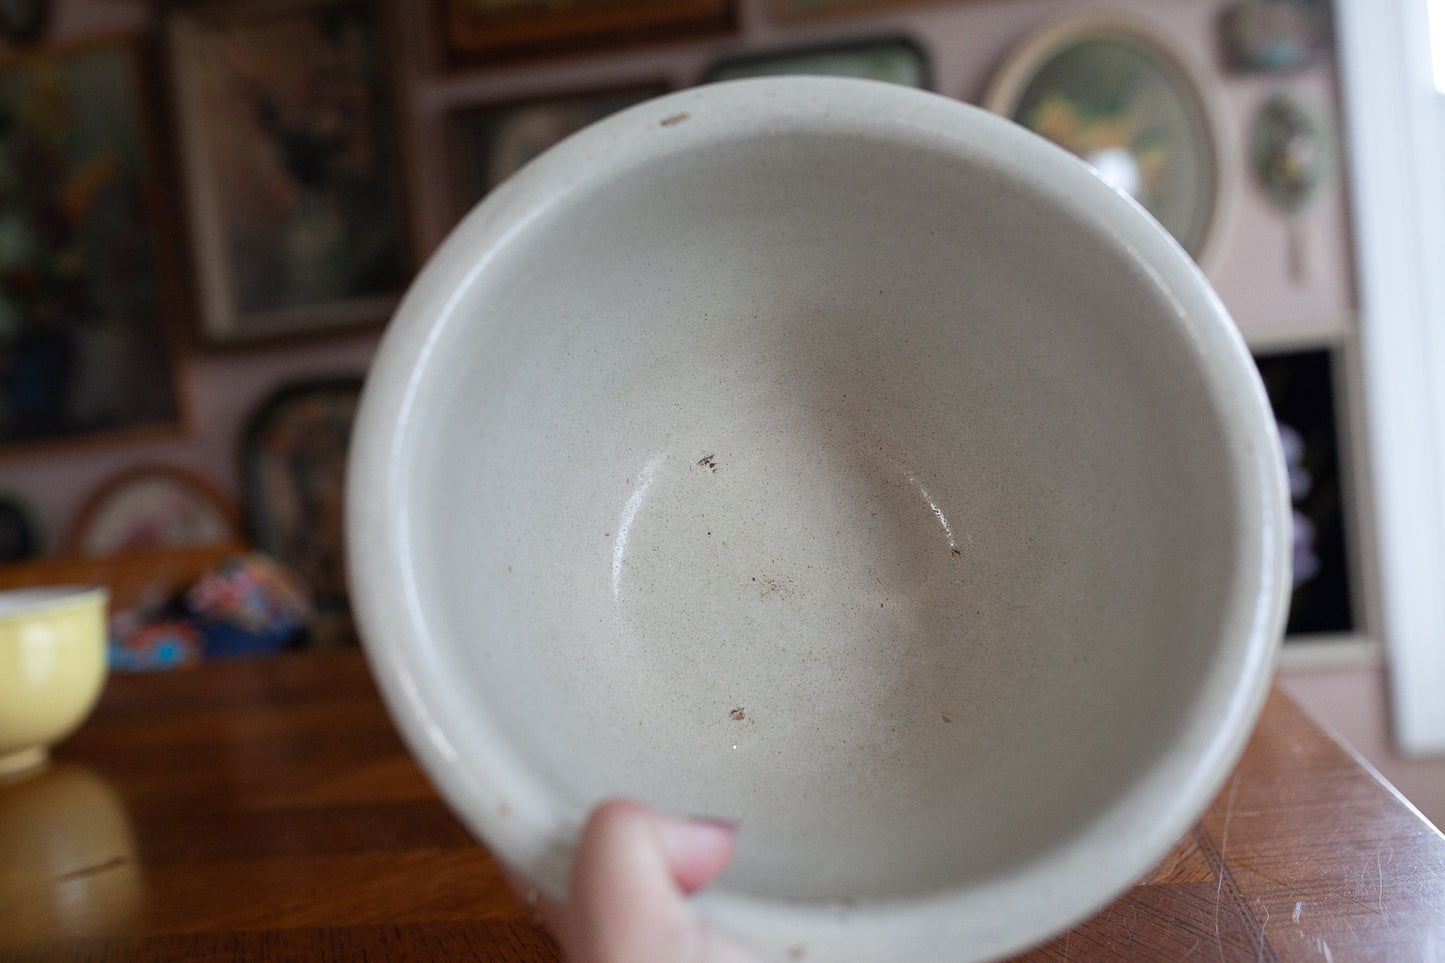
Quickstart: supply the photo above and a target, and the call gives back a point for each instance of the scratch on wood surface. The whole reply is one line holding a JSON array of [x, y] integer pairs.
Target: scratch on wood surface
[[1298, 909], [1223, 850], [1325, 950], [1380, 892], [113, 863]]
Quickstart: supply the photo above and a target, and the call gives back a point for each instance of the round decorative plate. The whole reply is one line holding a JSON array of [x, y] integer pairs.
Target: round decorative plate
[[150, 507]]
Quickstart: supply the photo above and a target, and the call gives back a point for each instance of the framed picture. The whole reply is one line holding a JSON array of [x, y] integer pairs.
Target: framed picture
[[1301, 388], [490, 142], [153, 506], [895, 59], [1275, 36], [86, 294], [23, 22], [792, 9], [1115, 93], [293, 463], [292, 177], [477, 32], [19, 535]]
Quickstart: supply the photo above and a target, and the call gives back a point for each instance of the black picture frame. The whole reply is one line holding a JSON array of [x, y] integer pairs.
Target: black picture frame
[[24, 22], [19, 535], [1302, 389]]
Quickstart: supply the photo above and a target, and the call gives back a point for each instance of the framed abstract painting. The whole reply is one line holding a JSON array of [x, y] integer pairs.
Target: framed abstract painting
[[87, 296], [293, 181]]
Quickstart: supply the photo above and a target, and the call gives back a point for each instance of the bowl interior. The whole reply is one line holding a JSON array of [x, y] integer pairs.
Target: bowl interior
[[874, 497], [40, 602]]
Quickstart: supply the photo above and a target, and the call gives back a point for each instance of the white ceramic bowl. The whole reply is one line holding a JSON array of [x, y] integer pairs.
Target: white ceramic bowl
[[842, 460]]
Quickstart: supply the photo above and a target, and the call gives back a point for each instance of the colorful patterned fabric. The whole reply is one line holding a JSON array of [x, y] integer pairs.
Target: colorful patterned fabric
[[248, 604], [153, 645]]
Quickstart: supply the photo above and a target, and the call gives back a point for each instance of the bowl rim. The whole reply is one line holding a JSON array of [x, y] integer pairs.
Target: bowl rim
[[31, 601], [1015, 911]]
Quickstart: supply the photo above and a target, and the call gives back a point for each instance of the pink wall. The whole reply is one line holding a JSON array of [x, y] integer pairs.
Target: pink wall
[[1354, 705]]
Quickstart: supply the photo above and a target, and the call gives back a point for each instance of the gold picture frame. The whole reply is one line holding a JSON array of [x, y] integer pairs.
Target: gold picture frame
[[1116, 92]]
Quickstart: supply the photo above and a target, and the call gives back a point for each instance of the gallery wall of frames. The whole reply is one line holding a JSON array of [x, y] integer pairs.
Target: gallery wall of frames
[[208, 210]]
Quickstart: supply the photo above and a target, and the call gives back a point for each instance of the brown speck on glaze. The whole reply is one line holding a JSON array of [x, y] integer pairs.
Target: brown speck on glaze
[[775, 586], [957, 552], [673, 120], [946, 717], [708, 462], [797, 952], [503, 810], [737, 715]]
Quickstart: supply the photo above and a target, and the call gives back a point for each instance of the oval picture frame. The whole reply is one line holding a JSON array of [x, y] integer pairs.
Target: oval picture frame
[[293, 466], [1116, 92], [153, 506]]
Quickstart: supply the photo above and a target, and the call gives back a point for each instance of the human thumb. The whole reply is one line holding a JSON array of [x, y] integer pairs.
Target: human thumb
[[632, 871]]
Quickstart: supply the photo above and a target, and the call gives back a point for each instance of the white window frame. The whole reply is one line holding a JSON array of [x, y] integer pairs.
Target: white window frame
[[1395, 132]]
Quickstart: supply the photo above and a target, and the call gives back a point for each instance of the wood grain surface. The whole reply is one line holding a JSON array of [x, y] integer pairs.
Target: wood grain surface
[[266, 810]]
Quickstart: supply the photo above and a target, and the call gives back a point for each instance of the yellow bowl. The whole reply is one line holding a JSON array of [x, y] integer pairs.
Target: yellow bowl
[[52, 668]]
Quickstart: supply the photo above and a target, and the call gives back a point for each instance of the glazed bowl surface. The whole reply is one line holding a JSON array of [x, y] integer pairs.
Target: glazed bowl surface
[[838, 459], [52, 668]]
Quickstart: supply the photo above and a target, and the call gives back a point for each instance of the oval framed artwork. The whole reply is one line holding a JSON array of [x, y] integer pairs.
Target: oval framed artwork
[[1115, 92], [293, 461], [152, 506]]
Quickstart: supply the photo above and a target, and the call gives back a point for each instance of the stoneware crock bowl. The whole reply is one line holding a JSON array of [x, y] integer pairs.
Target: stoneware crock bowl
[[52, 668], [839, 459]]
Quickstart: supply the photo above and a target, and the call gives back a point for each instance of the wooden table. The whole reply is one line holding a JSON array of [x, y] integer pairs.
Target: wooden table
[[266, 810]]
